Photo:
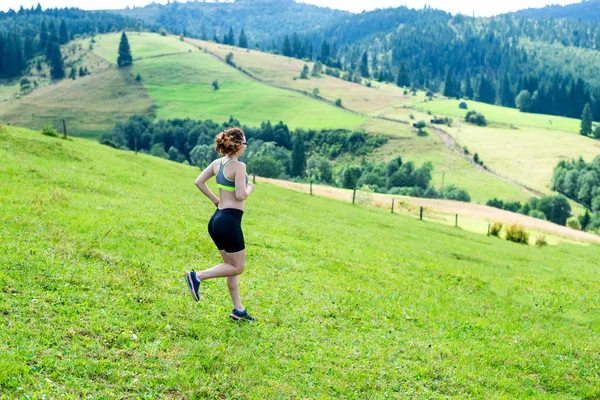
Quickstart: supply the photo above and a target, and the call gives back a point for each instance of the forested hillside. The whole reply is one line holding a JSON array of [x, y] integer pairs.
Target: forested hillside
[[586, 9], [492, 60], [262, 19], [28, 33]]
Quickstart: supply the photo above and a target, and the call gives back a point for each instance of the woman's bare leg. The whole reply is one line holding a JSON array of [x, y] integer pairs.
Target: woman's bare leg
[[233, 266], [234, 290]]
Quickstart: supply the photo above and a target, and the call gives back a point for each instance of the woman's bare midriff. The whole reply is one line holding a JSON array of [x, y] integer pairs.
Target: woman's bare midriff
[[227, 199]]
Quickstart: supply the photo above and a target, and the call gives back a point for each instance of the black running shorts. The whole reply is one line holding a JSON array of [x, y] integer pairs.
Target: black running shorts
[[225, 229]]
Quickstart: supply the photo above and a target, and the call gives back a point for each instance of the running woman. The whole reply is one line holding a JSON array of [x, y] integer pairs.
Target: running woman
[[225, 226]]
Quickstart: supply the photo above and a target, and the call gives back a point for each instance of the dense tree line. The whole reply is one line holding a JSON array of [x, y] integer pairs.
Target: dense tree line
[[550, 208], [182, 136], [276, 152], [28, 33]]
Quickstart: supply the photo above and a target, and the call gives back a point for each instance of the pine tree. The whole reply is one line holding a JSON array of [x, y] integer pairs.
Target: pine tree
[[231, 37], [52, 39], [468, 87], [364, 66], [487, 91], [507, 96], [57, 69], [125, 58], [63, 33], [449, 88], [586, 120], [43, 36], [30, 48], [298, 155], [403, 77], [2, 58], [286, 49], [243, 40], [267, 132], [297, 50], [305, 72], [325, 52]]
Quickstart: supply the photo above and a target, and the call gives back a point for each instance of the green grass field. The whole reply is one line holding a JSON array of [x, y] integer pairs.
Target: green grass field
[[351, 302], [285, 72], [503, 115], [527, 155], [181, 86]]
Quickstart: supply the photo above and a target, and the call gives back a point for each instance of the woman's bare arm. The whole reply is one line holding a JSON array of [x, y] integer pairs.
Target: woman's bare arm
[[200, 183], [241, 191]]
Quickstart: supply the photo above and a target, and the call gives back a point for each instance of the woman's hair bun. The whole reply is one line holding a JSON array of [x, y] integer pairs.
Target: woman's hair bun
[[229, 141]]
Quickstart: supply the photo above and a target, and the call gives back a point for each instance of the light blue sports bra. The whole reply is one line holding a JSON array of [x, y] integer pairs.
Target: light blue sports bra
[[224, 182]]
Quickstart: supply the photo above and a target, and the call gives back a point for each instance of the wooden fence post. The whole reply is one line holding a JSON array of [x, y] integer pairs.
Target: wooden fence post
[[135, 144], [421, 214], [254, 178], [489, 227], [354, 196], [456, 222], [64, 128], [392, 206], [311, 187]]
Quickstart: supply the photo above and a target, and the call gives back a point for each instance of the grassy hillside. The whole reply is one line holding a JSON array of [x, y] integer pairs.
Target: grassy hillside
[[181, 86], [280, 70], [526, 152], [90, 105], [95, 242], [450, 167], [503, 115]]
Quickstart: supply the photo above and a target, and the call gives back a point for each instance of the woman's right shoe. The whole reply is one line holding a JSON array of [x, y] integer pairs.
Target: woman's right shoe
[[240, 315], [193, 284]]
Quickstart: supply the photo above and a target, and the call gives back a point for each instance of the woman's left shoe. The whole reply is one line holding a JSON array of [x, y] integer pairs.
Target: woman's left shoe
[[240, 315], [193, 284]]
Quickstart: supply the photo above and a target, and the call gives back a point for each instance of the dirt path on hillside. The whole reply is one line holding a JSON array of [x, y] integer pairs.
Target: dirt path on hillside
[[451, 143], [411, 205], [254, 78]]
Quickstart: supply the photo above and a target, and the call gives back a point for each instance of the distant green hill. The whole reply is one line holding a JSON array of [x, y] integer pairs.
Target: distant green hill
[[585, 10], [351, 301], [179, 77], [263, 20]]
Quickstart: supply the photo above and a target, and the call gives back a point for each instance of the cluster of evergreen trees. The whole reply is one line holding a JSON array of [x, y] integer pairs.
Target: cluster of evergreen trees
[[28, 33], [229, 38]]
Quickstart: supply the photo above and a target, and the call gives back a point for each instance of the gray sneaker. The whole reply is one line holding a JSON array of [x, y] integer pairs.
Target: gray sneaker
[[193, 284], [241, 316]]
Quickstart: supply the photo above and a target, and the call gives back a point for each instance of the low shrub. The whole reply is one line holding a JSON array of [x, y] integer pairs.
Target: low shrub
[[517, 234], [495, 229], [49, 131], [109, 143], [541, 241], [574, 223], [463, 105], [476, 118]]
